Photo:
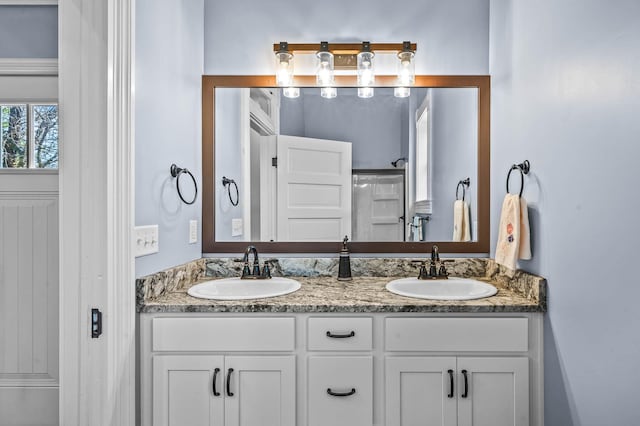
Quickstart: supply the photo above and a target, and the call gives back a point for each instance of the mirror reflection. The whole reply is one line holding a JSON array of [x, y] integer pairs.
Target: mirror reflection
[[374, 169]]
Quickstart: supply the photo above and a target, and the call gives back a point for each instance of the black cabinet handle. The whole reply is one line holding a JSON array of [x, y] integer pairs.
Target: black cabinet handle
[[229, 371], [215, 378], [332, 393], [450, 395], [466, 384], [340, 336]]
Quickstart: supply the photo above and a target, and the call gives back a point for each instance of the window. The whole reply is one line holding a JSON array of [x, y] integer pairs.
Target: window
[[29, 136]]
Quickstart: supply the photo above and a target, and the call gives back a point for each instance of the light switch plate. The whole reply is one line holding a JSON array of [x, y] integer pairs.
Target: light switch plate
[[193, 231], [236, 227], [146, 240]]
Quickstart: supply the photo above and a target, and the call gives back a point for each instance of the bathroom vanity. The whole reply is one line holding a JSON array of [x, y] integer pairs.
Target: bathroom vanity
[[341, 353]]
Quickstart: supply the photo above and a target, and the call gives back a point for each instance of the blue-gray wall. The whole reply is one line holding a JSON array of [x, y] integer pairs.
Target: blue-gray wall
[[566, 96], [28, 31], [168, 74], [452, 35], [373, 126]]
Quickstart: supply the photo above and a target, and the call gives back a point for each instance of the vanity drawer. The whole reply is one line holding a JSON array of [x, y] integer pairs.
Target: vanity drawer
[[340, 334], [350, 379], [457, 334], [223, 334]]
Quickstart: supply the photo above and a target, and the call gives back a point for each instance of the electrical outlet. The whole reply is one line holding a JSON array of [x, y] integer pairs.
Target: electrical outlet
[[146, 240], [236, 227], [193, 231]]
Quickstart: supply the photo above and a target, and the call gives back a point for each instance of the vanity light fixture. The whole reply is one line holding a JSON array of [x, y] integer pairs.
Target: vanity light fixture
[[348, 59], [406, 71], [284, 65], [406, 66], [366, 75], [324, 72]]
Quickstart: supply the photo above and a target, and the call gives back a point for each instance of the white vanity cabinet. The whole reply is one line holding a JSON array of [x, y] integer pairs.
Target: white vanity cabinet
[[189, 390], [218, 371], [377, 369], [458, 390], [450, 391]]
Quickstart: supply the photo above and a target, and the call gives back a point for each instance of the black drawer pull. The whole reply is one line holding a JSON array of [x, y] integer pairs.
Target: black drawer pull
[[450, 395], [215, 378], [466, 384], [332, 393], [229, 371], [340, 336]]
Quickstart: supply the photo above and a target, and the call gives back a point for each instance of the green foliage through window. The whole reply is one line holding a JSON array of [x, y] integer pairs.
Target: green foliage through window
[[29, 136]]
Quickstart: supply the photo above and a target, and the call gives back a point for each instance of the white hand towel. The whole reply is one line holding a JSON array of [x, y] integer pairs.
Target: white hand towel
[[466, 234], [461, 228], [507, 248], [524, 249], [458, 220]]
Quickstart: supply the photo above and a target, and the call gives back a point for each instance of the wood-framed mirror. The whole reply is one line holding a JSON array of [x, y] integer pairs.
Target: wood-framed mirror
[[297, 174]]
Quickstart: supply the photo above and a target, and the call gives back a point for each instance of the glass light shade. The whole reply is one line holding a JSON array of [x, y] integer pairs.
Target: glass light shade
[[284, 68], [324, 72], [401, 92], [406, 69], [291, 92], [329, 92], [365, 92], [366, 76]]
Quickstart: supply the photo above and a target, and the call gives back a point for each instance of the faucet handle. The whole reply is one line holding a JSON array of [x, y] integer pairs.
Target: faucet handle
[[266, 271], [443, 269]]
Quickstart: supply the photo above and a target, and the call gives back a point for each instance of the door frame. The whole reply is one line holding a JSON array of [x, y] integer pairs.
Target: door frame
[[97, 376]]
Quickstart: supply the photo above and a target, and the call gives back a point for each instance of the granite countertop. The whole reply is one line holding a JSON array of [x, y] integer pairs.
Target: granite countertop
[[361, 295]]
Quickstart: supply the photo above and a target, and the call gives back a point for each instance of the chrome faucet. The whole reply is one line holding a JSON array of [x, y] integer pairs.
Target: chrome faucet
[[434, 273], [252, 271]]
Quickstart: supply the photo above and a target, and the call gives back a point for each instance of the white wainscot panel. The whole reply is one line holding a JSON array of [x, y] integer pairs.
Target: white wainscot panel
[[28, 290]]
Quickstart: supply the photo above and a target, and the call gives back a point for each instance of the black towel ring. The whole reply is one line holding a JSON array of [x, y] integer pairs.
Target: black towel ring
[[464, 183], [228, 182], [524, 168], [176, 172]]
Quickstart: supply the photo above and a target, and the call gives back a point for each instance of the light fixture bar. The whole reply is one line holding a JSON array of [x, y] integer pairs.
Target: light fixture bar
[[345, 48]]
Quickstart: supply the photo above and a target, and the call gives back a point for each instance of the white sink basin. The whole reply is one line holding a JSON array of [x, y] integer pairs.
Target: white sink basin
[[451, 289], [238, 289]]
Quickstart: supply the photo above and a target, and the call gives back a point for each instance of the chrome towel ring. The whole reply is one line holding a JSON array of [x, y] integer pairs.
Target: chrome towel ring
[[176, 172], [524, 168]]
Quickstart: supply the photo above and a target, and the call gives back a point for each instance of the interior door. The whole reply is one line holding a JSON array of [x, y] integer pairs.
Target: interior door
[[314, 189]]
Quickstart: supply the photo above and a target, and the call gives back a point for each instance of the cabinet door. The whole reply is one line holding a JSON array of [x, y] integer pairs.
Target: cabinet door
[[183, 390], [419, 391], [260, 390], [498, 392]]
